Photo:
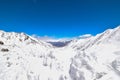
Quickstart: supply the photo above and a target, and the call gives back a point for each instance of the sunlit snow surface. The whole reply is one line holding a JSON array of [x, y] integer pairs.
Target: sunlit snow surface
[[23, 57]]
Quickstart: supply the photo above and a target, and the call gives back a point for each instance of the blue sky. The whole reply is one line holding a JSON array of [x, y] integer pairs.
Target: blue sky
[[59, 18]]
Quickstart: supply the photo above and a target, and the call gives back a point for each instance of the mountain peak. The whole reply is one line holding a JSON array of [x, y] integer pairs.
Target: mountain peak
[[118, 27], [23, 57]]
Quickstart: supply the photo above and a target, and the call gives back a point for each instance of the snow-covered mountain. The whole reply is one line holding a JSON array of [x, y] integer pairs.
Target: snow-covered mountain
[[23, 57]]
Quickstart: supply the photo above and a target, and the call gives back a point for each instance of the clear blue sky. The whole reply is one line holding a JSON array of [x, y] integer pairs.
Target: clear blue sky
[[59, 18]]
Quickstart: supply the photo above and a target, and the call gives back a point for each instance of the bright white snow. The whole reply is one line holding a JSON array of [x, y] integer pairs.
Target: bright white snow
[[23, 57]]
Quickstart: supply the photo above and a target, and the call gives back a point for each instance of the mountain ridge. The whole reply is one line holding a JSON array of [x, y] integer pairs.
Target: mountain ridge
[[23, 57]]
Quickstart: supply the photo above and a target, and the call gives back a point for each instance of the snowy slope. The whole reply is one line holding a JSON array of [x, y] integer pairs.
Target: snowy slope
[[23, 57], [98, 58]]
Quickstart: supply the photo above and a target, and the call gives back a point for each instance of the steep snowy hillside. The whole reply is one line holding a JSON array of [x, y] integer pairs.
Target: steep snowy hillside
[[98, 57], [23, 57]]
